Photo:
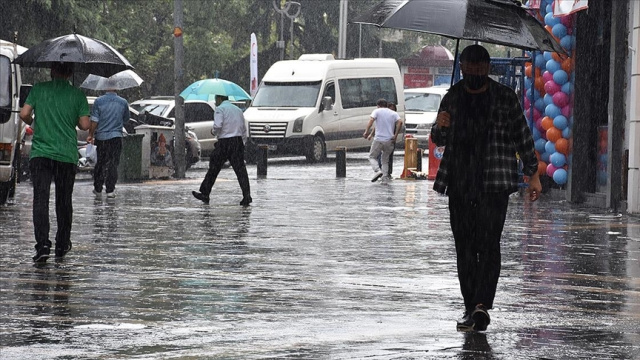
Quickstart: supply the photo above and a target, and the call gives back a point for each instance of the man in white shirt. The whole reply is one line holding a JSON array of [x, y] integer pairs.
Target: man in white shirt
[[388, 124], [229, 128]]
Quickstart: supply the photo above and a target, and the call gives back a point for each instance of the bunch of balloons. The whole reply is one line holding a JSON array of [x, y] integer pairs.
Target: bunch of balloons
[[548, 104]]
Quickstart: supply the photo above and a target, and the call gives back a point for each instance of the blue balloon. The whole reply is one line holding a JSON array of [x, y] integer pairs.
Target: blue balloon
[[536, 135], [567, 42], [545, 156], [549, 147], [552, 111], [559, 30], [540, 62], [540, 144], [527, 83], [558, 159], [548, 99], [547, 9], [560, 122], [566, 133], [536, 94], [547, 55], [567, 88], [552, 66], [560, 176], [550, 20], [560, 77], [540, 104]]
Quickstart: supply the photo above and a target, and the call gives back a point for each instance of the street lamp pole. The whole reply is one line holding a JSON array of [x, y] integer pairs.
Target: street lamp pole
[[342, 37]]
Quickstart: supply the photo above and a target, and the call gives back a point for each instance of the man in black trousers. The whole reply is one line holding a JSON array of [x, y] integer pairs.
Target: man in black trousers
[[229, 128], [482, 126]]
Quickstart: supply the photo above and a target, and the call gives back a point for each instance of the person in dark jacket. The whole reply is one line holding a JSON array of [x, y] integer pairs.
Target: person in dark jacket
[[482, 126]]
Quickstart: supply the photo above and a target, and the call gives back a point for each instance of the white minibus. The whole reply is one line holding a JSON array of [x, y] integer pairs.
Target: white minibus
[[312, 105]]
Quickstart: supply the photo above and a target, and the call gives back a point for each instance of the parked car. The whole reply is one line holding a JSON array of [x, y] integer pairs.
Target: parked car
[[421, 111], [198, 116]]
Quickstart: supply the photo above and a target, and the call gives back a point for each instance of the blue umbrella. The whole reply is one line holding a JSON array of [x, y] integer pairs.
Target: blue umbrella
[[207, 89]]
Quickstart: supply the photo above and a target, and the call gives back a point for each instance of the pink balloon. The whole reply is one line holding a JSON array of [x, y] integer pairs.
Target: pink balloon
[[560, 99], [566, 111], [551, 169], [527, 104], [537, 114], [551, 87], [539, 125], [546, 76]]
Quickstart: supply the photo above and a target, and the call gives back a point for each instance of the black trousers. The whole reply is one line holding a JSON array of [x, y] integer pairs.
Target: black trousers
[[43, 171], [477, 227], [106, 169], [231, 149]]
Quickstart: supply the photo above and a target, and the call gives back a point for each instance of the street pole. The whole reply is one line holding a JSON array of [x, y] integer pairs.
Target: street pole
[[178, 73], [342, 37]]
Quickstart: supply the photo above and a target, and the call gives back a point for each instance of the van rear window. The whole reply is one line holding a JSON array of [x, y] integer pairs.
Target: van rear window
[[5, 81], [283, 94]]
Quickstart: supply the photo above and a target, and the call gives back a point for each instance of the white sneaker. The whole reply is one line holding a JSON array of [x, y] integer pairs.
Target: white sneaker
[[111, 194], [377, 176], [96, 193], [386, 179]]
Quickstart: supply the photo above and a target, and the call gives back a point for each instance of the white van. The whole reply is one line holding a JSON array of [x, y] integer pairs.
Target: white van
[[11, 126], [421, 111], [316, 103]]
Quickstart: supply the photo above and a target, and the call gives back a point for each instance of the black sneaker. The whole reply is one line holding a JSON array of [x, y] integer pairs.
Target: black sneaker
[[200, 196], [42, 255], [481, 317], [466, 323], [246, 201], [60, 253]]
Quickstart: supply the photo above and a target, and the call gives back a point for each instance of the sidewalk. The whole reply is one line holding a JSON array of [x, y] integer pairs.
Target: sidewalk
[[317, 268]]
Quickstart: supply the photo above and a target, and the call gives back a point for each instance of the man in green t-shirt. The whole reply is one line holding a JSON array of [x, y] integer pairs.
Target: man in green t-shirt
[[58, 107]]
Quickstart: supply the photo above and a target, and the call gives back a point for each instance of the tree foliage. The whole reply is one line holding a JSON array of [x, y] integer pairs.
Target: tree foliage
[[216, 34]]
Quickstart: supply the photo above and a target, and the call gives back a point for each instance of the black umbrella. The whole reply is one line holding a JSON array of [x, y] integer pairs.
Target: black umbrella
[[493, 21], [90, 56]]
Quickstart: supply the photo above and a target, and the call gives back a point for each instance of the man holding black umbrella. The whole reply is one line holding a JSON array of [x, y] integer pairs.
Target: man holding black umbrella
[[482, 126], [59, 108]]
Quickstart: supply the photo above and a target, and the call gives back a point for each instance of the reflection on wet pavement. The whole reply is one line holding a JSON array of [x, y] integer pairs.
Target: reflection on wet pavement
[[317, 267]]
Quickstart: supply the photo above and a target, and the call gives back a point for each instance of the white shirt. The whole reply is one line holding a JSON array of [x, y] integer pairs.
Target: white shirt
[[228, 121], [385, 120]]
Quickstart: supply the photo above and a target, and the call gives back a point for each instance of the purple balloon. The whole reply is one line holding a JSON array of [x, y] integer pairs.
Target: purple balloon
[[560, 99], [527, 103], [566, 111], [551, 87]]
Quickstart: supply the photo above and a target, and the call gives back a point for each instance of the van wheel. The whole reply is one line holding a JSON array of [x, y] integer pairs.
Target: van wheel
[[318, 150]]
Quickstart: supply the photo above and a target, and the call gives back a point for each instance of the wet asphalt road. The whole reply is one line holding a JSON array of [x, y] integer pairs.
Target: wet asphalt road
[[317, 268]]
